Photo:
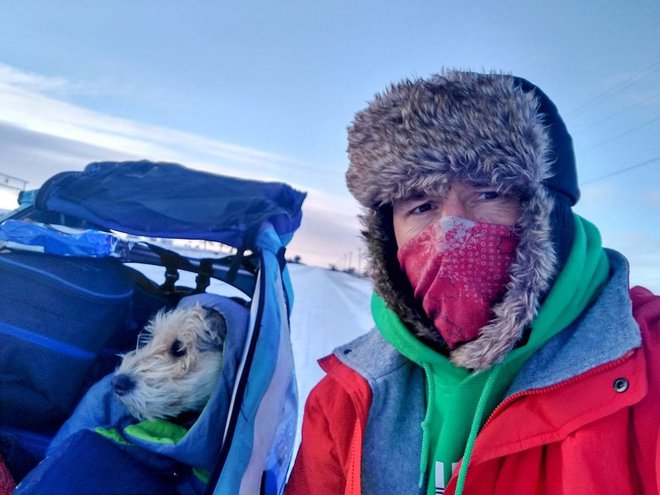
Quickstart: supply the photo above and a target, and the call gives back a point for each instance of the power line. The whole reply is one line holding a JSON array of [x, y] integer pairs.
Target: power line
[[653, 68], [620, 171], [613, 138], [611, 116]]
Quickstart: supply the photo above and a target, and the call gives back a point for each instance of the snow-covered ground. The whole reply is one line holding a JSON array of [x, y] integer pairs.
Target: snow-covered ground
[[330, 308]]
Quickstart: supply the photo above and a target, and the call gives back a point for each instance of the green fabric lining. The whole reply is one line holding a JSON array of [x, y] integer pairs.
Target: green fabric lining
[[111, 434], [157, 431]]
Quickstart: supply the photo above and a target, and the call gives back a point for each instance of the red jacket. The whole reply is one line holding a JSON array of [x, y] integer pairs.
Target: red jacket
[[595, 433]]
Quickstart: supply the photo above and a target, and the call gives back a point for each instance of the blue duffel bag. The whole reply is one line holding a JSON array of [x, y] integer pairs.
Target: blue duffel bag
[[63, 319]]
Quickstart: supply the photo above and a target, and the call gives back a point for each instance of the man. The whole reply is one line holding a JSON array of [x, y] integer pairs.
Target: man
[[509, 356]]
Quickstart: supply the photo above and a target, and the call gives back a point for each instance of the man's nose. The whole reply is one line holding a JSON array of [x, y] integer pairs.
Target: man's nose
[[452, 206]]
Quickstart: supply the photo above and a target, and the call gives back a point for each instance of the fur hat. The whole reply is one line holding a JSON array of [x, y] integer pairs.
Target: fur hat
[[491, 130]]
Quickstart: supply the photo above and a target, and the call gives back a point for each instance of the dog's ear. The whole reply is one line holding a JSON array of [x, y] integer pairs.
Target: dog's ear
[[218, 327], [217, 323]]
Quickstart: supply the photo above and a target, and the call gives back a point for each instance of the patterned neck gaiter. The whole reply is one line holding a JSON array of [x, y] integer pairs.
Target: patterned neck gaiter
[[458, 269]]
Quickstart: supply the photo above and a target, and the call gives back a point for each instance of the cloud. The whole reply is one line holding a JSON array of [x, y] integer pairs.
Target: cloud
[[35, 156], [43, 135], [324, 237], [596, 192], [654, 197], [31, 81], [26, 103], [330, 233]]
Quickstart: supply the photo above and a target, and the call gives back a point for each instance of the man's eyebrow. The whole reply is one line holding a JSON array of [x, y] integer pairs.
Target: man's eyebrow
[[417, 195], [411, 199], [482, 185]]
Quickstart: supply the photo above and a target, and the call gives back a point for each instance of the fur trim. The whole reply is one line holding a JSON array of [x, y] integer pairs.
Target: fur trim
[[389, 280], [420, 136]]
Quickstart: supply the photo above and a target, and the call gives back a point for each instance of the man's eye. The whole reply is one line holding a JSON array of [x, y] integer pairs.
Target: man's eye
[[423, 208], [488, 195]]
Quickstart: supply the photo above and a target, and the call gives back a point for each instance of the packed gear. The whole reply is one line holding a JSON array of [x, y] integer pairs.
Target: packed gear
[[77, 300]]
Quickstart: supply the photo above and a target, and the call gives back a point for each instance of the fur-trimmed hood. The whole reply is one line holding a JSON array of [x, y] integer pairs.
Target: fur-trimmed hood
[[483, 129]]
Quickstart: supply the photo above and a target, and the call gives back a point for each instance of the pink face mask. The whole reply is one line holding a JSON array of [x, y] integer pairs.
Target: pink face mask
[[458, 269]]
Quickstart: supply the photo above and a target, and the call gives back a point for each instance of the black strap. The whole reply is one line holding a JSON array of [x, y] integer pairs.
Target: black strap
[[171, 273], [236, 263], [170, 261], [203, 279]]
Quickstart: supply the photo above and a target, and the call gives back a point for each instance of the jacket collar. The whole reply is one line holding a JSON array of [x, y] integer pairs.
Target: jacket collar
[[607, 329]]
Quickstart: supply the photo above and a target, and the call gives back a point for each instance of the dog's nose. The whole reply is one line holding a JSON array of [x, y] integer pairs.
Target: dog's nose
[[122, 384]]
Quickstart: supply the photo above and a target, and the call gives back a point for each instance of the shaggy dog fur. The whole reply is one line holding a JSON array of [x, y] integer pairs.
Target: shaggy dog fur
[[175, 366]]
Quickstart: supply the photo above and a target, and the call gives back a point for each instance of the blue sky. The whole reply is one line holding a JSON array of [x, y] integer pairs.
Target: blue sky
[[267, 89]]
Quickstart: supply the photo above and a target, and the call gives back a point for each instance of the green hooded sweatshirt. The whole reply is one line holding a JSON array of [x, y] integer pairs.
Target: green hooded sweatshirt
[[458, 400]]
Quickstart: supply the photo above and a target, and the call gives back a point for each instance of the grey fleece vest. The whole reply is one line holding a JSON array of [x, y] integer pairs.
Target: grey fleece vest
[[393, 438]]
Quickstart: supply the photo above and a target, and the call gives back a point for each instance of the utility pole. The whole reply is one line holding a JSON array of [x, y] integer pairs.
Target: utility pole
[[359, 256]]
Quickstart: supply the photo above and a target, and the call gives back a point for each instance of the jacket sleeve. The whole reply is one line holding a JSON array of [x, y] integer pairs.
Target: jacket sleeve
[[328, 460]]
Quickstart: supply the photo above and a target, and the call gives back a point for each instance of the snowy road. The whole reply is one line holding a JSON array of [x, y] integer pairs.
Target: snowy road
[[330, 308]]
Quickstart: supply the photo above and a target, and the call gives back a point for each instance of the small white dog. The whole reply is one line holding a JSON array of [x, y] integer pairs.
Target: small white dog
[[176, 364]]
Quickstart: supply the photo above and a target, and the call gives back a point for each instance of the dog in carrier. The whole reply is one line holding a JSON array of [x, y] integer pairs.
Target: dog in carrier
[[175, 365]]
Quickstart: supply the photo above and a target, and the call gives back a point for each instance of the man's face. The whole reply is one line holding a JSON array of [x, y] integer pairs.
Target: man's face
[[479, 204]]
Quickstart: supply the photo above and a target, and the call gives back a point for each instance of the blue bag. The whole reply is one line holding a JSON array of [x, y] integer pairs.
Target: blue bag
[[36, 237]]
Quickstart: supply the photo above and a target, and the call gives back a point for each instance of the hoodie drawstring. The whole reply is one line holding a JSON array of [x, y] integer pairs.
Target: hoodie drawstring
[[424, 457], [477, 421]]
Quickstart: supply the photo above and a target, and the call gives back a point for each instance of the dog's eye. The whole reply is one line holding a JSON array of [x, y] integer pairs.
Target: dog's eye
[[177, 349]]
